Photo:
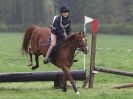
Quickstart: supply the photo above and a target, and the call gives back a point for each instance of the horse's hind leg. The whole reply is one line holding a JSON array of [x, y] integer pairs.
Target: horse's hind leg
[[30, 61], [68, 74], [37, 62]]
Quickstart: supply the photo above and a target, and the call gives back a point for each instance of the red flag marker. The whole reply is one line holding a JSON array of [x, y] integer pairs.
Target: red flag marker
[[94, 26]]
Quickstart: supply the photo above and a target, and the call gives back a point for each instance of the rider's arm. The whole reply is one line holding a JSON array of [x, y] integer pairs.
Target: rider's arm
[[68, 29], [57, 29]]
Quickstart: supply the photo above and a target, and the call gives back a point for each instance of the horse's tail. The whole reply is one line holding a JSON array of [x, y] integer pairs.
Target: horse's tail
[[26, 40]]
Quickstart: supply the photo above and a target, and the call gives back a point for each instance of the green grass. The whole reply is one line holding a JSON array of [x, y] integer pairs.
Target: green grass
[[113, 51]]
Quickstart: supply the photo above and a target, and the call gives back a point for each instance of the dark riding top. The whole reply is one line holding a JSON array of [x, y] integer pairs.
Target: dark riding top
[[60, 26]]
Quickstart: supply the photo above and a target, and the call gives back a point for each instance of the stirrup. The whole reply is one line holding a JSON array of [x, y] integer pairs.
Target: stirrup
[[75, 60], [46, 61]]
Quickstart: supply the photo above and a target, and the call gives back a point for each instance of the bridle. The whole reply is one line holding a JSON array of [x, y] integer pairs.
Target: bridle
[[79, 49]]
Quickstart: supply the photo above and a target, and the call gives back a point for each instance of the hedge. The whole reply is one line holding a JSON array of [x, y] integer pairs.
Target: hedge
[[103, 28]]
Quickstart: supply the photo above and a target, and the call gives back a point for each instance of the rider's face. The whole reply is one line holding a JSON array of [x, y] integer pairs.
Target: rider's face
[[65, 14]]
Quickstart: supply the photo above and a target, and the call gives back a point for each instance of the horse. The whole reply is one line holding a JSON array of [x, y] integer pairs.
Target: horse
[[35, 42]]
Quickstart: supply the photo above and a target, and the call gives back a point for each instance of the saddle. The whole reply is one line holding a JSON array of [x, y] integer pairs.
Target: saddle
[[56, 48]]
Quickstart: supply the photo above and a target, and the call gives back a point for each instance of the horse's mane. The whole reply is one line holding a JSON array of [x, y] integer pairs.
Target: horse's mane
[[71, 36], [69, 39]]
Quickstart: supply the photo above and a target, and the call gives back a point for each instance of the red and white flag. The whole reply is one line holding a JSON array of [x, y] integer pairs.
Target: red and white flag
[[94, 23]]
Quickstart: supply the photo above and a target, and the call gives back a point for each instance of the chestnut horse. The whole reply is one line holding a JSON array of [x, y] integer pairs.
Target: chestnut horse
[[35, 42]]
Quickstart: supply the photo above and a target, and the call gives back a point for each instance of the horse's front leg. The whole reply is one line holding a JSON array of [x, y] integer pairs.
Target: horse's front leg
[[64, 83], [37, 62], [68, 74]]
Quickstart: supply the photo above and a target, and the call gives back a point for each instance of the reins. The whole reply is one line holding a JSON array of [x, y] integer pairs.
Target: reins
[[79, 50]]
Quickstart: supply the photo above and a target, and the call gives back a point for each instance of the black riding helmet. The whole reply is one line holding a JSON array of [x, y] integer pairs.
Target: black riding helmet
[[64, 9]]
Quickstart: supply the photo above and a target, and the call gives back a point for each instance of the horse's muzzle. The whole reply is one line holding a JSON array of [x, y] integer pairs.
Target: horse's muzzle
[[85, 50]]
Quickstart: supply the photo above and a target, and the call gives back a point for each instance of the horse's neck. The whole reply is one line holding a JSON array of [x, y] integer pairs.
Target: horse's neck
[[70, 47]]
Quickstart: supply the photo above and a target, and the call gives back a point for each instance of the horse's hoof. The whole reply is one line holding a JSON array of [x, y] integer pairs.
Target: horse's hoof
[[64, 90], [34, 67], [78, 93]]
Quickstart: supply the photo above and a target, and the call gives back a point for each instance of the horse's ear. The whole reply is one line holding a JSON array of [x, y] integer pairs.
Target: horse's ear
[[80, 33], [84, 34]]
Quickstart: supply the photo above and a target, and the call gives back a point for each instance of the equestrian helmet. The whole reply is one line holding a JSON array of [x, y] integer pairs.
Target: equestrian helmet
[[64, 9]]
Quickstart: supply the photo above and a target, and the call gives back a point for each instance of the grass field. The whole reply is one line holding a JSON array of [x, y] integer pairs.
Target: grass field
[[113, 51]]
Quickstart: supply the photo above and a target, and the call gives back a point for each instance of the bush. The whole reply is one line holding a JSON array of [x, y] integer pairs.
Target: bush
[[103, 28], [15, 28], [116, 29], [107, 29]]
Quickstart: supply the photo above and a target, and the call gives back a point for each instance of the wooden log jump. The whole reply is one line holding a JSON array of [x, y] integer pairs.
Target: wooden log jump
[[112, 71], [56, 76], [123, 86], [38, 76]]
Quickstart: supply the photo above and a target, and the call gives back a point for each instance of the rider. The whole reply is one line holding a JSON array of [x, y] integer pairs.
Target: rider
[[60, 29]]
